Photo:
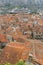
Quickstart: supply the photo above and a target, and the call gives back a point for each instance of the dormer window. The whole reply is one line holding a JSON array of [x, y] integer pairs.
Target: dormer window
[[25, 19]]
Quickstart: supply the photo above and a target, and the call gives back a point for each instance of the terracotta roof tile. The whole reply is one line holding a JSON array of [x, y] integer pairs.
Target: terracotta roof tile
[[3, 38]]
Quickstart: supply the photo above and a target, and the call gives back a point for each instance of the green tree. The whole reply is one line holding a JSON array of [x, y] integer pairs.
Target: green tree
[[7, 64], [21, 62]]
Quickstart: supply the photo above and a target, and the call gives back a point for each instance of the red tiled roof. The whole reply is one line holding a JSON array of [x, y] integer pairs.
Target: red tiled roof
[[3, 38], [13, 52]]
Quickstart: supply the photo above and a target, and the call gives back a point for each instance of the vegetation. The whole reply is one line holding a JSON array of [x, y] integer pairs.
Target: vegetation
[[21, 62]]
